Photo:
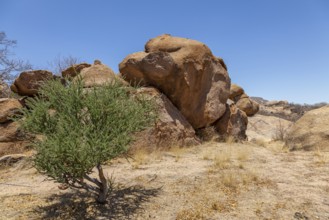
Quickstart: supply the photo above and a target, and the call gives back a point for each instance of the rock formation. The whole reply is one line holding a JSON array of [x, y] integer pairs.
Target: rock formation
[[311, 131], [232, 124], [242, 100], [170, 129], [96, 75], [186, 71], [74, 70], [189, 84], [28, 83]]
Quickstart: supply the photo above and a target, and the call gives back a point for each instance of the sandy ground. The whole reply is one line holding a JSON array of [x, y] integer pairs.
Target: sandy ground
[[211, 181]]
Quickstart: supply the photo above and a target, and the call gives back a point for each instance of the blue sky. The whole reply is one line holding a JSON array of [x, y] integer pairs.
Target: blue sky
[[275, 49]]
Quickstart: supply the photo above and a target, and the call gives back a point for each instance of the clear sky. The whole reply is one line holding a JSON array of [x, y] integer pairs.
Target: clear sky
[[275, 49]]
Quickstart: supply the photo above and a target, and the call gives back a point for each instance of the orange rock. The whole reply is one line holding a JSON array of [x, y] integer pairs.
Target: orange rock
[[28, 83], [186, 71]]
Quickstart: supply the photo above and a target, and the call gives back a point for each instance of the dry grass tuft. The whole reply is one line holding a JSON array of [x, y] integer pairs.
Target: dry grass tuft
[[321, 158], [277, 147], [230, 179], [177, 152], [222, 159], [140, 157], [230, 140], [191, 214], [242, 154], [260, 142]]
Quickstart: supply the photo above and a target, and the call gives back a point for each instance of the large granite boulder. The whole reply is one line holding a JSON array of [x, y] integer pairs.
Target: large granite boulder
[[74, 70], [232, 124], [311, 131], [8, 107], [249, 106], [96, 75], [170, 128], [187, 72], [28, 83]]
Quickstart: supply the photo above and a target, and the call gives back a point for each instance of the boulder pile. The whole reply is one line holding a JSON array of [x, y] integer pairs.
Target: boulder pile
[[187, 72], [190, 86]]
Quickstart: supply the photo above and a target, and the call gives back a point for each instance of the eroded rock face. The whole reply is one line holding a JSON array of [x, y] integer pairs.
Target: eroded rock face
[[74, 70], [96, 75], [8, 107], [170, 129], [311, 131], [28, 83], [186, 71], [233, 123]]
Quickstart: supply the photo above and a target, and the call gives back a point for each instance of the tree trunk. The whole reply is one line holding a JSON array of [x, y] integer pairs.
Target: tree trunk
[[104, 187]]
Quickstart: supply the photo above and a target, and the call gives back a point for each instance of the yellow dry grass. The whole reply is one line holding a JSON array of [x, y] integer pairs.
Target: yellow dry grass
[[321, 158]]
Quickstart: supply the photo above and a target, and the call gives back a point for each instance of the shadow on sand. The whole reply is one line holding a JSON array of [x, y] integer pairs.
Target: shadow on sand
[[123, 203]]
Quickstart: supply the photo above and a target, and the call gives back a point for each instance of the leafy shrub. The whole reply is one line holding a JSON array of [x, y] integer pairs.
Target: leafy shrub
[[82, 129]]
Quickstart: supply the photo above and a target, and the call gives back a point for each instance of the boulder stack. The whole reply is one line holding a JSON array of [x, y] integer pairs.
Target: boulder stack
[[242, 100], [187, 72]]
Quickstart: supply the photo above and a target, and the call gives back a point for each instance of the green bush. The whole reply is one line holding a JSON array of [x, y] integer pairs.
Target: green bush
[[83, 128]]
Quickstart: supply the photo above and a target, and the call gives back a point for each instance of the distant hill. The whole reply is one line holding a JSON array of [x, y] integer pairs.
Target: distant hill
[[284, 109]]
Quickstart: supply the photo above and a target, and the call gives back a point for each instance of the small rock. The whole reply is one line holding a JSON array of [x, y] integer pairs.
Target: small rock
[[11, 159]]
